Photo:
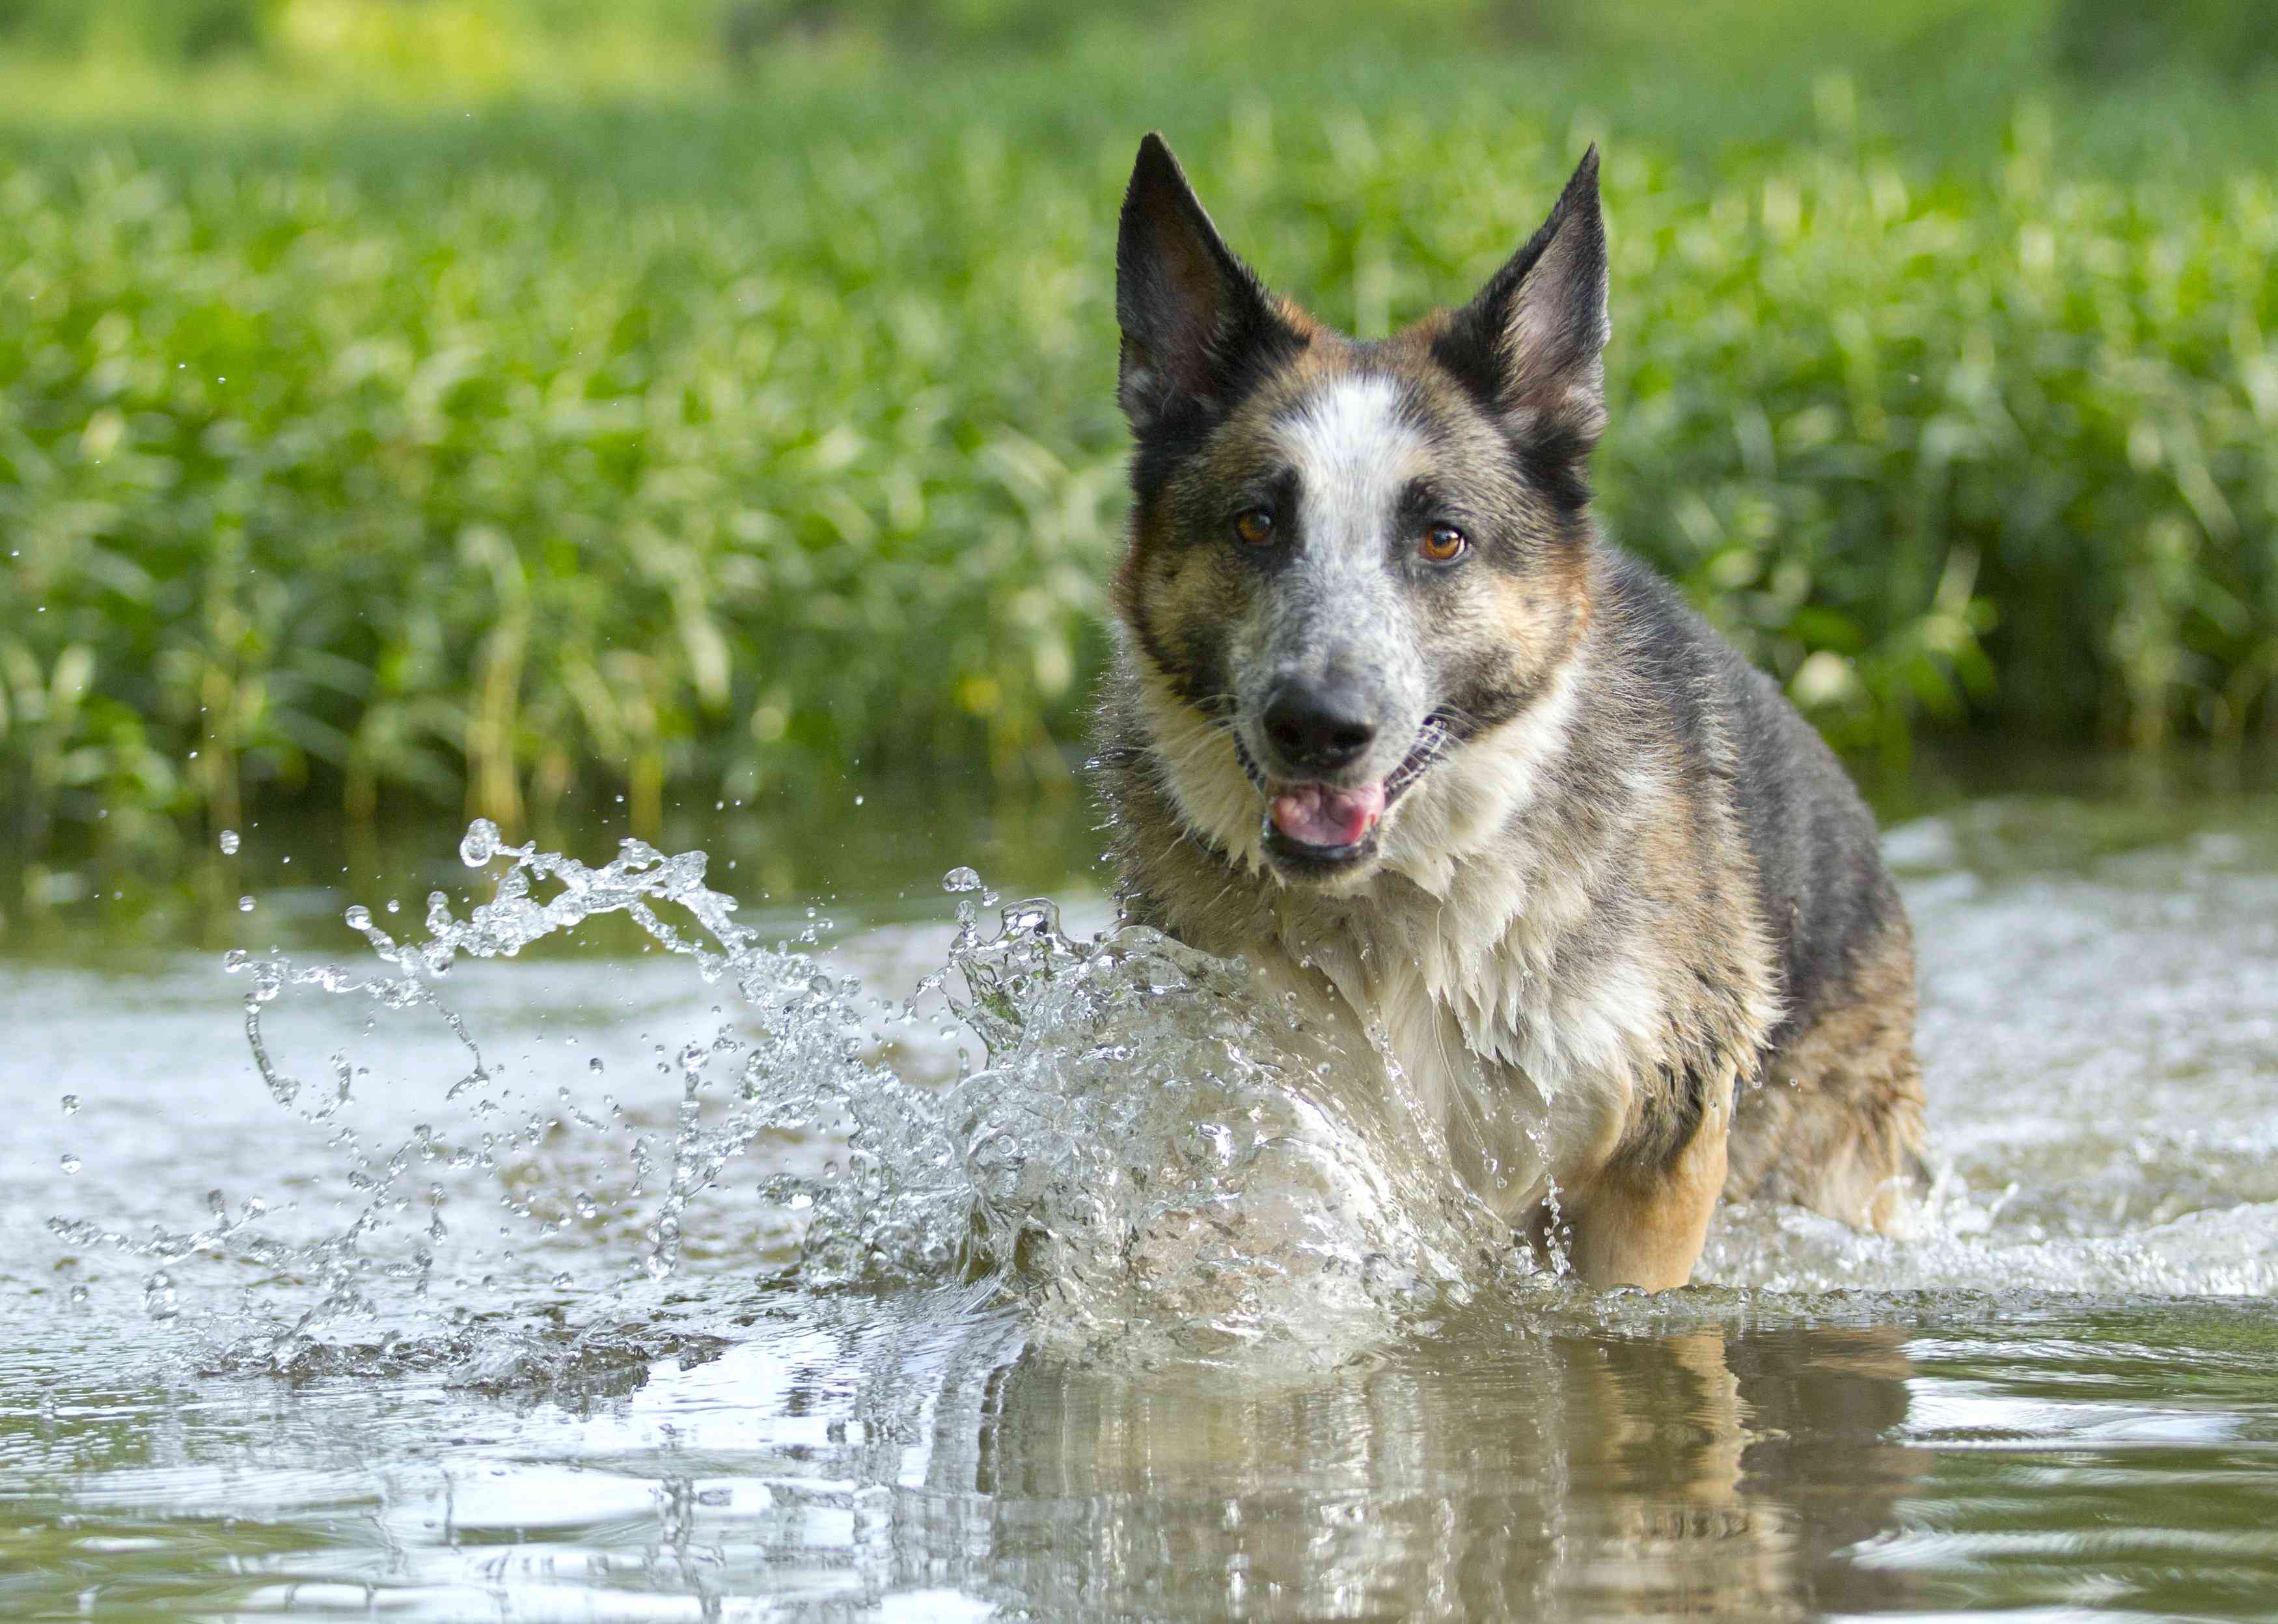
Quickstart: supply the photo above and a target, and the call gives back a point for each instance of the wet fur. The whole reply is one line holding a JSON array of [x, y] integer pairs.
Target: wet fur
[[1628, 934]]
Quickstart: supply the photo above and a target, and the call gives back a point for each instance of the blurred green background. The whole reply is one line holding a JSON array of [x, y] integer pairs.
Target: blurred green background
[[510, 406]]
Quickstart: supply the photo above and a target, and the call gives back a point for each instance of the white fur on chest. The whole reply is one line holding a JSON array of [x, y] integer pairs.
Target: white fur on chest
[[1531, 1073], [1452, 953]]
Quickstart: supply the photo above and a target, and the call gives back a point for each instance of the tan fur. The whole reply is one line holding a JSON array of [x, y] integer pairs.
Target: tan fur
[[1502, 873], [1557, 933], [1543, 1077], [1644, 1226], [1836, 1125]]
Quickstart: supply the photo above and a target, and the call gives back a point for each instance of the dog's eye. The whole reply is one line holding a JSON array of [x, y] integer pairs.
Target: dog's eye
[[1253, 526], [1444, 544]]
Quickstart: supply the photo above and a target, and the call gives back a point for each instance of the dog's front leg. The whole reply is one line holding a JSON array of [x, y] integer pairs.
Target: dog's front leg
[[1644, 1226]]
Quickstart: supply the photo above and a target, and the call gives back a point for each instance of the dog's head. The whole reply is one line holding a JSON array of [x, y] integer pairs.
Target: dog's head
[[1351, 564]]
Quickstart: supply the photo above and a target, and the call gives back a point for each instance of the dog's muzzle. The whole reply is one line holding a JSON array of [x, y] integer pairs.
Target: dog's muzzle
[[1313, 828]]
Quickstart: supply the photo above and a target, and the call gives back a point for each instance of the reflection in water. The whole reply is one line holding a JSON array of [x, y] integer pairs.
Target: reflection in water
[[843, 1453], [1560, 1476]]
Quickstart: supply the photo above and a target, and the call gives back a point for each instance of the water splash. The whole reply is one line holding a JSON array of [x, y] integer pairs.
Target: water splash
[[1785, 1250], [1170, 1157], [1147, 1146], [1148, 1155]]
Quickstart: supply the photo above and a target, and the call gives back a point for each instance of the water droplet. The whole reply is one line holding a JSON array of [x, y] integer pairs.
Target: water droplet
[[71, 1162], [481, 844], [562, 1280], [229, 842], [359, 917], [961, 879], [78, 1297], [245, 905], [594, 1066], [393, 907], [71, 1105]]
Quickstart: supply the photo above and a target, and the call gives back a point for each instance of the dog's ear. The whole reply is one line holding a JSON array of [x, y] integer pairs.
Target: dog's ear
[[1193, 315], [1531, 343]]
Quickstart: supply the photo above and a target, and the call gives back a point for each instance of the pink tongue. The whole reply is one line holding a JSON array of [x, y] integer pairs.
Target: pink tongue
[[1319, 815]]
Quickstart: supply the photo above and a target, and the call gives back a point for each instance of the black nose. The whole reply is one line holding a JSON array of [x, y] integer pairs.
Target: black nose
[[1315, 730]]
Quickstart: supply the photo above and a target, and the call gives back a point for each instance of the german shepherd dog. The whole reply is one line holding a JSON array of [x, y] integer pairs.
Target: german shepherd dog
[[1392, 720]]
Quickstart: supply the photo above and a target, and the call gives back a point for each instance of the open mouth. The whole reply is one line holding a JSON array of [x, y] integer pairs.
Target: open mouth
[[1324, 827], [1324, 819]]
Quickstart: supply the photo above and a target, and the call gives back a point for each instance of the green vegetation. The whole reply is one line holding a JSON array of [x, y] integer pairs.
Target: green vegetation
[[695, 420], [2118, 39]]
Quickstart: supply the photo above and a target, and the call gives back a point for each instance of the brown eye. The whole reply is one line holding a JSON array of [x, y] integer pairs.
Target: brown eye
[[1253, 526], [1444, 544]]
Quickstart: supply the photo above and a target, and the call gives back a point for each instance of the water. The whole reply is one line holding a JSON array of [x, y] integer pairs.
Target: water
[[960, 1261]]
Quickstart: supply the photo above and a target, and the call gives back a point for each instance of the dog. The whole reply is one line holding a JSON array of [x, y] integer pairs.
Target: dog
[[1391, 720]]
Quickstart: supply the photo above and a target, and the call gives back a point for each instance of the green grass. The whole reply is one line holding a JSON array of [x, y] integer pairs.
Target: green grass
[[360, 443]]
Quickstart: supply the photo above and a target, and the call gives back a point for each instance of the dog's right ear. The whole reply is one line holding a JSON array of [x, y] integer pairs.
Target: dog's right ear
[[1194, 317]]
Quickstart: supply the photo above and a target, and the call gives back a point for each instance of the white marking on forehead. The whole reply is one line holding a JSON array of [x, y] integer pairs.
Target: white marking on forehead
[[1354, 453]]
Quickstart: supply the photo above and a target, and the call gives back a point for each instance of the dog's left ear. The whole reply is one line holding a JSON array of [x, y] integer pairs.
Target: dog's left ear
[[1530, 344]]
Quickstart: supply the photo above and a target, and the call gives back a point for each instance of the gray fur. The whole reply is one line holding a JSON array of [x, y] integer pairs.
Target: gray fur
[[1623, 879]]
